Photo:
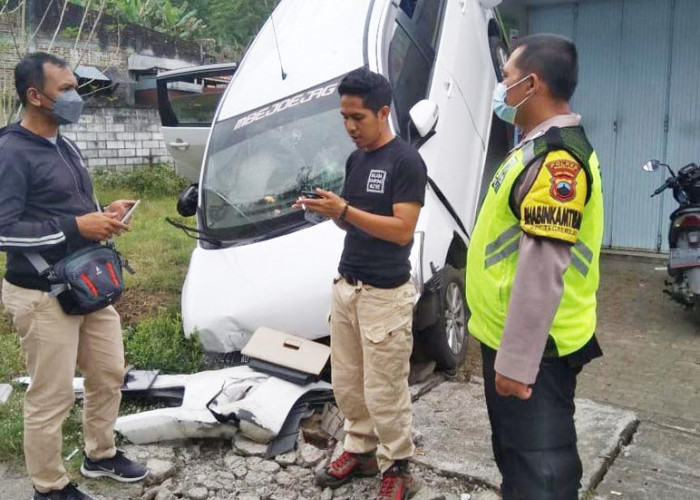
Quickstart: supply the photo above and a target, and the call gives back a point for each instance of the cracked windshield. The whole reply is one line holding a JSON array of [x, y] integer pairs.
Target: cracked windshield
[[254, 174]]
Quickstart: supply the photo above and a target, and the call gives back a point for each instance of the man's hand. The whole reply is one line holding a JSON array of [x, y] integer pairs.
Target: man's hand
[[120, 207], [508, 387], [100, 226], [329, 205]]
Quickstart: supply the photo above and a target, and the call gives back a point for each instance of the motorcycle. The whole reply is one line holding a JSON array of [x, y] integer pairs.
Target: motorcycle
[[683, 267]]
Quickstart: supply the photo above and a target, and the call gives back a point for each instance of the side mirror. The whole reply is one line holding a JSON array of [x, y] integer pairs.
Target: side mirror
[[489, 4], [424, 115], [651, 166], [187, 201]]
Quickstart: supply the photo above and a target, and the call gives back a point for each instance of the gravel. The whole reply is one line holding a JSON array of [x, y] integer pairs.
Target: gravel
[[211, 470]]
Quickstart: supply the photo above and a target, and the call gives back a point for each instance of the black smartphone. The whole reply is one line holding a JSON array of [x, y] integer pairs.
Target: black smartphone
[[311, 194]]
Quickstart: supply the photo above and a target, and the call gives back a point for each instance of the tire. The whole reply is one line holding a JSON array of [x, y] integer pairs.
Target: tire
[[696, 309], [446, 340]]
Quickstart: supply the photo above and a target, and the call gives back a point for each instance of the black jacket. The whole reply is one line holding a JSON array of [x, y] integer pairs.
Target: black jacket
[[43, 187]]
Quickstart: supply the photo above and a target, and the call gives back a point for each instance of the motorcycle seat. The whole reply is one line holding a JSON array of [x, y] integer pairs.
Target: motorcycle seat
[[679, 212]]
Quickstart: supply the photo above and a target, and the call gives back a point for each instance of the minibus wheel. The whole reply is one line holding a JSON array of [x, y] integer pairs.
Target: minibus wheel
[[446, 340]]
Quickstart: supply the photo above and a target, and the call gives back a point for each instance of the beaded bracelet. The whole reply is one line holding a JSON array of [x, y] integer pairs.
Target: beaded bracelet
[[344, 212]]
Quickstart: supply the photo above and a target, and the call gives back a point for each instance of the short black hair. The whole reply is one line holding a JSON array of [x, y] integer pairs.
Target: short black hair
[[554, 59], [373, 88], [29, 72]]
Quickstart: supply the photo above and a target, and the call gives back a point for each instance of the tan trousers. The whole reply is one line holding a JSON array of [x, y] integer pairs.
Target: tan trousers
[[54, 343], [371, 343]]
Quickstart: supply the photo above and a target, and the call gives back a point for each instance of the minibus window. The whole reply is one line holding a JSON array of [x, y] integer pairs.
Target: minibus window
[[426, 21], [409, 73], [191, 100]]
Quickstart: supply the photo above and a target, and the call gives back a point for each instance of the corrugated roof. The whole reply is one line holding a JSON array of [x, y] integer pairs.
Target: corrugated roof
[[91, 73]]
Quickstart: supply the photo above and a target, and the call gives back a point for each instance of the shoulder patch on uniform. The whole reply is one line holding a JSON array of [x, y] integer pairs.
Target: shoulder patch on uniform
[[553, 207], [563, 180]]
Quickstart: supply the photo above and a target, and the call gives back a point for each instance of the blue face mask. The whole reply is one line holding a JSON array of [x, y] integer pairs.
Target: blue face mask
[[504, 111]]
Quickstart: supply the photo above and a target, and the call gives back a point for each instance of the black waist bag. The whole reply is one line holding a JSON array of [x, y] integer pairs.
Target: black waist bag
[[85, 281]]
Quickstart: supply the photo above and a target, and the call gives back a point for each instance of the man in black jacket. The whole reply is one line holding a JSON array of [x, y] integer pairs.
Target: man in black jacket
[[47, 206]]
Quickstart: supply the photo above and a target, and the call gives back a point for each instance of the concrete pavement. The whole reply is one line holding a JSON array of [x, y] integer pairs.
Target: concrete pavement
[[661, 462], [456, 434], [651, 344]]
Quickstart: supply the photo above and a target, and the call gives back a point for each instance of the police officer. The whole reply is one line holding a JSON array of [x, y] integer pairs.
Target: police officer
[[533, 273]]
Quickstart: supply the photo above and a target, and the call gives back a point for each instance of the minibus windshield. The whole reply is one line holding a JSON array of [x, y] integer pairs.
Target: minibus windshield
[[259, 162]]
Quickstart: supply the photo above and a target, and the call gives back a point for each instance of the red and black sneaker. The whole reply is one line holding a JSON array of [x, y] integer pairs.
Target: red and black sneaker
[[347, 466], [398, 483]]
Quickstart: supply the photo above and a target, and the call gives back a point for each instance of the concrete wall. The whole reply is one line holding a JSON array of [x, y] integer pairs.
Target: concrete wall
[[119, 138]]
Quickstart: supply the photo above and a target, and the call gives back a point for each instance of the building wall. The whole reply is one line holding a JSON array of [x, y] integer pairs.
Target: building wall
[[637, 95], [119, 138], [111, 133]]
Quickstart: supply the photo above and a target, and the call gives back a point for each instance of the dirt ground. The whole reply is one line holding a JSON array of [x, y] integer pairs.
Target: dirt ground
[[137, 304], [651, 346]]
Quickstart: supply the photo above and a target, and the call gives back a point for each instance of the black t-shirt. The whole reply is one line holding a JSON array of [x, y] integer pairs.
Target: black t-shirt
[[374, 181]]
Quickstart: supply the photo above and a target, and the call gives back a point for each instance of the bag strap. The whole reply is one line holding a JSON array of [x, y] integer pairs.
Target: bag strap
[[44, 268]]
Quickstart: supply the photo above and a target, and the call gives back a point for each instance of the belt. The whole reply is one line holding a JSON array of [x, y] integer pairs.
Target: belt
[[350, 280]]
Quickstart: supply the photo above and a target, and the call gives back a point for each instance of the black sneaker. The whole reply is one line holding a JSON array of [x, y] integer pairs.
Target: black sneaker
[[70, 492], [118, 468]]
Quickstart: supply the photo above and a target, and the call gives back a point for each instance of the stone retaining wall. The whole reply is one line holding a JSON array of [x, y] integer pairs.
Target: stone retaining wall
[[119, 138]]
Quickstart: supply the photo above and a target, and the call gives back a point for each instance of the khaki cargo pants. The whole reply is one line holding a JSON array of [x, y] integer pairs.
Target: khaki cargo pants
[[371, 343], [54, 343]]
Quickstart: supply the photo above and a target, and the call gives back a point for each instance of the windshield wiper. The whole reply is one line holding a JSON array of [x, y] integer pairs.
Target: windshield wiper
[[207, 236], [231, 204]]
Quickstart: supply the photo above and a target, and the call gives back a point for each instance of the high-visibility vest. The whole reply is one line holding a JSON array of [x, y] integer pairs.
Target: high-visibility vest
[[493, 249]]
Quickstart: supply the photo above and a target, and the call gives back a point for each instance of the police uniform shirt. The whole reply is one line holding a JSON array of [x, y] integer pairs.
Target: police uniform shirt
[[554, 188]]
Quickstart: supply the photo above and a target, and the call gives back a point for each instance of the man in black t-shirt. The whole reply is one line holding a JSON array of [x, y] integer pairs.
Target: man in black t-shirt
[[373, 296]]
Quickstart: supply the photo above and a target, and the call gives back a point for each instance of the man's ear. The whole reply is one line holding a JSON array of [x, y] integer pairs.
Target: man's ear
[[384, 113], [33, 97], [536, 84]]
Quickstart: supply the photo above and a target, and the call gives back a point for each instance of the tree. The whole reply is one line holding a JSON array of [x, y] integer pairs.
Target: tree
[[232, 22], [178, 20], [14, 12], [161, 15]]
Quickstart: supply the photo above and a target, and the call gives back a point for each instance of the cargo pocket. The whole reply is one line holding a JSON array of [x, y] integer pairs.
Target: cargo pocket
[[380, 313]]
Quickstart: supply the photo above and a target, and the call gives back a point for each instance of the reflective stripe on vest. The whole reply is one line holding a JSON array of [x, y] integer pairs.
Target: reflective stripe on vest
[[493, 255]]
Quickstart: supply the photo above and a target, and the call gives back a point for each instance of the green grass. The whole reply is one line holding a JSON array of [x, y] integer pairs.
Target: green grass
[[151, 182], [12, 432], [11, 356], [160, 254], [159, 342]]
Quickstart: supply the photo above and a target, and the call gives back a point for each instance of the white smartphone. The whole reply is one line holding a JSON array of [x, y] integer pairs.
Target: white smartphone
[[127, 216]]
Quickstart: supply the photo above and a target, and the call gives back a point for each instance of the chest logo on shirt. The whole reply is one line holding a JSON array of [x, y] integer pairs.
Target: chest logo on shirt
[[563, 179], [501, 174], [376, 181]]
